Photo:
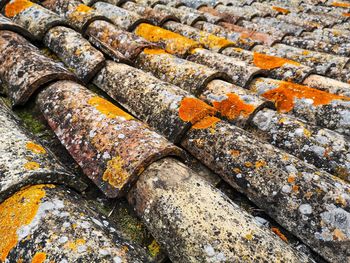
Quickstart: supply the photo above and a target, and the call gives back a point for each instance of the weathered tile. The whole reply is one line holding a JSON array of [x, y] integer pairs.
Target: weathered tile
[[24, 69], [24, 161], [75, 51], [110, 146], [170, 194], [47, 222]]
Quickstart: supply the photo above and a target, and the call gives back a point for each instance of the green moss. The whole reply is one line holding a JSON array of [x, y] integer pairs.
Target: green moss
[[31, 123]]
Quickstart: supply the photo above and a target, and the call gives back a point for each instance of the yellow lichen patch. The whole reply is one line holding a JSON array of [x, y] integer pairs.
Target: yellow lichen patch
[[206, 122], [248, 164], [154, 248], [279, 234], [35, 148], [283, 96], [39, 257], [83, 9], [194, 110], [233, 107], [341, 4], [249, 236], [260, 163], [73, 245], [174, 43], [305, 52], [153, 51], [17, 211], [270, 62], [16, 6], [31, 165], [212, 41], [115, 173], [281, 10], [237, 170], [307, 133], [108, 109]]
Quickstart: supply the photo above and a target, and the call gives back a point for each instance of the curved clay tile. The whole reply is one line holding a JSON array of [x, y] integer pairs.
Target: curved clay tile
[[24, 161]]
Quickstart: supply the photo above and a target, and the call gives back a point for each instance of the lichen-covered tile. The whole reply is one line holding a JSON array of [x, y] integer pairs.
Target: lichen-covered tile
[[147, 97], [208, 40], [240, 72], [315, 106], [195, 222], [45, 223], [211, 18], [323, 148], [78, 15], [75, 51], [229, 18], [7, 24], [111, 147], [310, 203], [35, 18], [120, 45], [150, 3], [309, 21], [275, 67], [24, 69], [241, 40], [264, 38], [232, 102], [196, 4], [158, 17], [322, 41], [328, 84], [273, 26], [188, 75], [24, 161], [123, 18], [173, 43], [321, 62], [188, 18], [247, 12]]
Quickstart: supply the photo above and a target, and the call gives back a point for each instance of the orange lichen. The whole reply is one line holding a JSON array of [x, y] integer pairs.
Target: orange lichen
[[31, 165], [108, 109], [17, 211], [291, 179], [341, 4], [281, 10], [279, 234], [346, 14], [295, 188], [17, 6], [233, 107], [206, 122], [212, 41], [283, 96], [153, 51], [260, 163], [235, 153], [174, 43], [194, 110], [115, 173], [339, 235], [83, 9], [39, 257], [270, 62], [305, 52], [35, 148]]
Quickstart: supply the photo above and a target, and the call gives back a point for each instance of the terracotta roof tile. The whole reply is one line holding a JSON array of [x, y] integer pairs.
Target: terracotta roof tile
[[222, 80]]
